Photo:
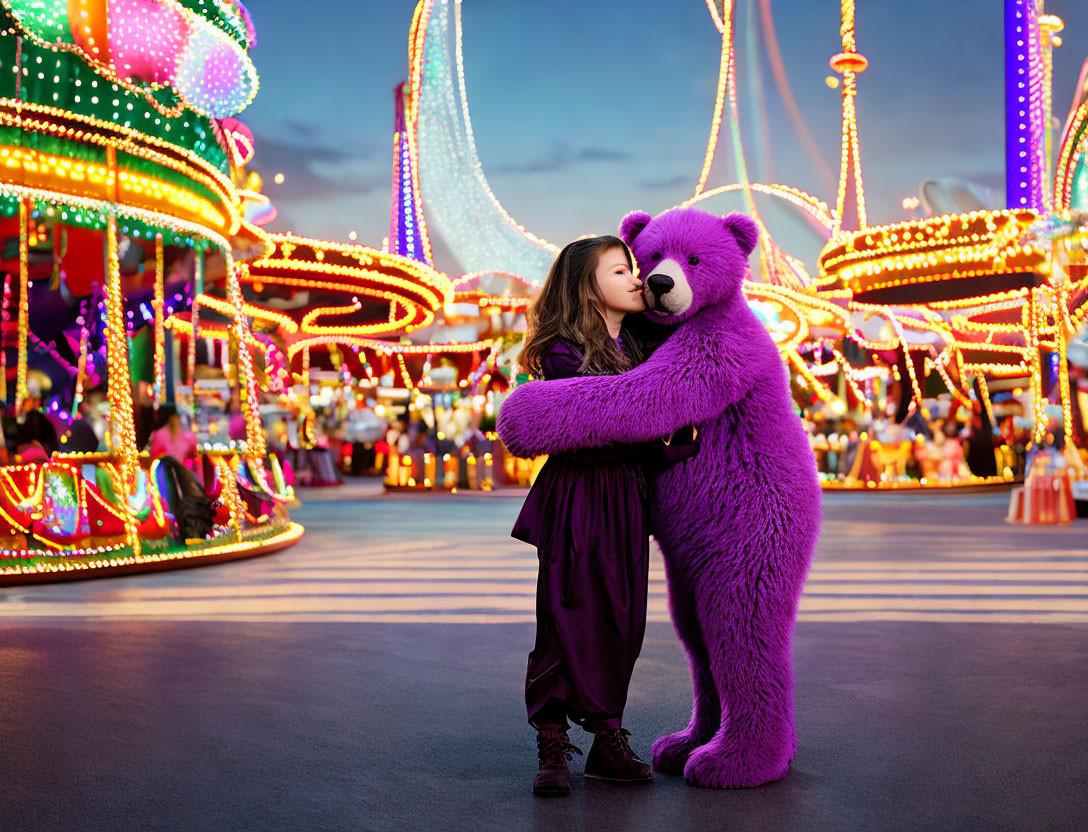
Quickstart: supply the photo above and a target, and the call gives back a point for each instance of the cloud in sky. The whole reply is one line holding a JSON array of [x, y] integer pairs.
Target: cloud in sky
[[304, 162], [665, 184], [559, 157], [302, 129]]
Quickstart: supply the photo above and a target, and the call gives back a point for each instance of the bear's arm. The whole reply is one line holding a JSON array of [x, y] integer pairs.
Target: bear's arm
[[692, 377]]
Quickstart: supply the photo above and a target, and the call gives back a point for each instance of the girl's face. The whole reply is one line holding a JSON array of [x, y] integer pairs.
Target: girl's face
[[620, 290]]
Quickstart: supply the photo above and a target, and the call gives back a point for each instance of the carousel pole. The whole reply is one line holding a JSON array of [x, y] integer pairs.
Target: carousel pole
[[159, 389], [1064, 386], [249, 395], [81, 365], [122, 430], [24, 305], [198, 290], [20, 335], [1036, 364], [5, 321], [1064, 329]]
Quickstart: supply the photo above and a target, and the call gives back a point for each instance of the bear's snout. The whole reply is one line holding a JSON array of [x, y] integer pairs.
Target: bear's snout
[[659, 284], [668, 291]]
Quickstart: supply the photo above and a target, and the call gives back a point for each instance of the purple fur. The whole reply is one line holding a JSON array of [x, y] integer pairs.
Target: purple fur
[[738, 523]]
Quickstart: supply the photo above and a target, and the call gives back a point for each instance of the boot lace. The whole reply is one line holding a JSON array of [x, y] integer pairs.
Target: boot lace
[[619, 737], [552, 748]]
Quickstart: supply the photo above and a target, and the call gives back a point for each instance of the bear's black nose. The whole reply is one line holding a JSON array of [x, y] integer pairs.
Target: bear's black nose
[[659, 284]]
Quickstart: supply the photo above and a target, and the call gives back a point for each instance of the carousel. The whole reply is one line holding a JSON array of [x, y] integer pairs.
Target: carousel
[[122, 210], [988, 299], [928, 353]]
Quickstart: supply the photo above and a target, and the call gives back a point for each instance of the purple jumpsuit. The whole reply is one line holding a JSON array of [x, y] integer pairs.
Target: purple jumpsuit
[[588, 518]]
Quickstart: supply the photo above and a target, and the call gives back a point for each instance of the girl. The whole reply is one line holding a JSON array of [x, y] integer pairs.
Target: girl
[[587, 516]]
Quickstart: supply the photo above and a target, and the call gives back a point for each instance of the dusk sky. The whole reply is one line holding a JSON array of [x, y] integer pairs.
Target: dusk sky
[[584, 110]]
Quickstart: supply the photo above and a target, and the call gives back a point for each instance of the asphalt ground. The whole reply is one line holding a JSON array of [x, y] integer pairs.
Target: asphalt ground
[[370, 678]]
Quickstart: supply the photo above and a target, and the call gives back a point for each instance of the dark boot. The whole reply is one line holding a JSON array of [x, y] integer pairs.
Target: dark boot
[[612, 760], [554, 749]]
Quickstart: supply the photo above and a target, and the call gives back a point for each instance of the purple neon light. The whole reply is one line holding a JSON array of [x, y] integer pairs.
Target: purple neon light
[[404, 232], [1025, 120]]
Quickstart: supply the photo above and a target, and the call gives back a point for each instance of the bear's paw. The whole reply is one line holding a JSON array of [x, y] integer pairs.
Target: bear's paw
[[671, 752], [724, 764]]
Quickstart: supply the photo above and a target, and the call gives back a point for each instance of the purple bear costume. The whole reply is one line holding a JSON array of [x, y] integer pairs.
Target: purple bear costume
[[738, 523]]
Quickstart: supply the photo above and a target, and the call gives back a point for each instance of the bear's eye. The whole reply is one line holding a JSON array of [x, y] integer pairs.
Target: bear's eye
[[657, 255], [693, 260]]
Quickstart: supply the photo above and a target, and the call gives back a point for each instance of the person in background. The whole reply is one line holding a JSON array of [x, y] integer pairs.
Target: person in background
[[94, 409], [172, 439], [236, 424]]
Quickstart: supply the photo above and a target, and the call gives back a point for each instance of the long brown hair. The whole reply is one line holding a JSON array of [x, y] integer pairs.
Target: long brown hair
[[567, 309]]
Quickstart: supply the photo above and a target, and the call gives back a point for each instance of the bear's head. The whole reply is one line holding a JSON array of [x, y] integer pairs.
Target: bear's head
[[689, 259]]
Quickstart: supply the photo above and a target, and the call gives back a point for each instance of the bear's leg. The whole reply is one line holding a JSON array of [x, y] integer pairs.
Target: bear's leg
[[670, 753], [747, 623]]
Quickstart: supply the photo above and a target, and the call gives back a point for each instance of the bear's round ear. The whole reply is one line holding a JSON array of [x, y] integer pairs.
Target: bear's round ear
[[744, 228], [633, 224]]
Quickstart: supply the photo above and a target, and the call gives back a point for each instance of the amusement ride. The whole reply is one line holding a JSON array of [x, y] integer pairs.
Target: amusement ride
[[960, 308], [140, 280]]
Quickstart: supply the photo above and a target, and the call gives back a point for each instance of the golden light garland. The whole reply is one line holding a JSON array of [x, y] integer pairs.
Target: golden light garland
[[421, 292], [102, 206], [404, 372], [944, 248], [505, 302], [422, 316], [1063, 186], [1049, 26], [814, 207], [1035, 363], [984, 389], [849, 63], [31, 117], [231, 497], [285, 537], [184, 328], [122, 429], [385, 347], [394, 323], [247, 377], [1014, 297], [365, 255], [416, 42], [98, 181], [724, 24], [223, 307]]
